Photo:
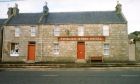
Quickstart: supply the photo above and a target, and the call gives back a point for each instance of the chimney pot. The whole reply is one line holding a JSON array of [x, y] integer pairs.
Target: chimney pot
[[45, 9], [118, 8], [10, 11]]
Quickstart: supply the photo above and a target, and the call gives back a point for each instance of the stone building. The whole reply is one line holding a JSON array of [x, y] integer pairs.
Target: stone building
[[65, 36], [134, 46]]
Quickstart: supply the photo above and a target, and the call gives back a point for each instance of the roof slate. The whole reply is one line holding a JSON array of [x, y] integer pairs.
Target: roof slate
[[93, 17], [2, 21]]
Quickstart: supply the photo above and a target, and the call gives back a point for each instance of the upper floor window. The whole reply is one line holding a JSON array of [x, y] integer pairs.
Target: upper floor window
[[105, 30], [56, 30], [33, 31], [80, 31], [17, 32]]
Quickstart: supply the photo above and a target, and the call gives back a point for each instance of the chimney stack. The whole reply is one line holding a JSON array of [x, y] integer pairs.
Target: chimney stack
[[45, 9], [118, 8], [10, 11], [13, 11]]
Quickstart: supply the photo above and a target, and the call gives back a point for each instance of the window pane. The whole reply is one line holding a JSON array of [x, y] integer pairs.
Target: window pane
[[106, 49], [14, 49], [106, 46], [56, 48]]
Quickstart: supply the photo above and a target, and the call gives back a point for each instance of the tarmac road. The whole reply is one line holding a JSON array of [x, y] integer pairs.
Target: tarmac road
[[76, 76]]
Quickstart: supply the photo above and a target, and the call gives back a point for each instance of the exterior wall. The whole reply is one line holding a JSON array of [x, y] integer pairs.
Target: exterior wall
[[132, 52], [0, 43], [137, 51], [45, 40]]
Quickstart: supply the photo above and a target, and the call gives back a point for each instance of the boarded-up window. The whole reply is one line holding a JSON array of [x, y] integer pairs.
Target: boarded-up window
[[106, 49], [14, 49], [33, 31], [17, 32], [105, 30], [80, 31], [56, 30]]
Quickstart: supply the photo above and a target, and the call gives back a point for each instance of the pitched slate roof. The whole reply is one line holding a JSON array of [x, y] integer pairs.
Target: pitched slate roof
[[25, 18], [96, 17], [2, 21]]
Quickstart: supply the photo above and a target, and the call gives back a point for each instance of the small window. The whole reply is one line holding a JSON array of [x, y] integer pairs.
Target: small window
[[14, 49], [106, 49], [33, 31], [56, 30], [17, 32], [106, 30], [80, 31], [56, 48]]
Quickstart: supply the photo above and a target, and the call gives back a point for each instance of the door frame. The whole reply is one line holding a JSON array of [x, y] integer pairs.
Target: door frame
[[83, 58], [31, 43]]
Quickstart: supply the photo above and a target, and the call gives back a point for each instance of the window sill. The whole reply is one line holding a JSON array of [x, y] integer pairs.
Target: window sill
[[14, 55]]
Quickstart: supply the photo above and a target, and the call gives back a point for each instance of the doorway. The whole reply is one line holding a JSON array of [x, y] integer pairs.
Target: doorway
[[31, 51], [81, 50]]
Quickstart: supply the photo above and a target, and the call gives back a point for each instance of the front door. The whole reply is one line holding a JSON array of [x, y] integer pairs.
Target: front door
[[80, 50], [31, 51]]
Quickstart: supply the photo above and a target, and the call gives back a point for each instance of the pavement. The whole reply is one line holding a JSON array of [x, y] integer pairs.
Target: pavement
[[67, 65]]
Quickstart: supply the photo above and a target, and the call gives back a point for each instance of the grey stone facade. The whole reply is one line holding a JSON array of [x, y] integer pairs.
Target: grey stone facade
[[45, 41]]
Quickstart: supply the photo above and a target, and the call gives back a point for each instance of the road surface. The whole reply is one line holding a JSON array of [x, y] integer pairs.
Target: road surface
[[70, 77]]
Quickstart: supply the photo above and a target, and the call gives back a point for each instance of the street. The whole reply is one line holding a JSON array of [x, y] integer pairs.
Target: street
[[70, 77]]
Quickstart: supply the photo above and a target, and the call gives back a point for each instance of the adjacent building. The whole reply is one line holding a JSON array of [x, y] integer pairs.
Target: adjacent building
[[1, 36], [134, 46], [65, 36]]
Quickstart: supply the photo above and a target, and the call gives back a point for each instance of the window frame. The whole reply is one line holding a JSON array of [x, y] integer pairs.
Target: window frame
[[14, 51], [106, 49], [56, 49]]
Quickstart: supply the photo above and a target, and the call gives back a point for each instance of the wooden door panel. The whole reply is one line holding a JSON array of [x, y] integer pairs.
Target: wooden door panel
[[81, 50], [31, 52]]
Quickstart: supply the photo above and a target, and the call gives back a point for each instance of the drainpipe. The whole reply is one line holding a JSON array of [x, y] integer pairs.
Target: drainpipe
[[41, 43], [2, 39], [1, 43]]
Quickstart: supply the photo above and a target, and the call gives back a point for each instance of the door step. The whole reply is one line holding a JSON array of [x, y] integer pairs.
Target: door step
[[30, 61], [80, 61]]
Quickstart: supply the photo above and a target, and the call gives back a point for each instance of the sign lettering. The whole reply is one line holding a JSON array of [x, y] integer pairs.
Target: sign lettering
[[81, 38]]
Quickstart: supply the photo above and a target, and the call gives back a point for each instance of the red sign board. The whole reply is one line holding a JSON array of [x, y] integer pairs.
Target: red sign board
[[81, 38]]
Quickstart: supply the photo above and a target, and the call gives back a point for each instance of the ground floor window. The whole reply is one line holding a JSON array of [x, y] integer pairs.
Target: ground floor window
[[14, 49], [106, 49], [56, 48]]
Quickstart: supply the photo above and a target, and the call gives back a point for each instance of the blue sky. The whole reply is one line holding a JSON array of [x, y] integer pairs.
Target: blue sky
[[130, 8]]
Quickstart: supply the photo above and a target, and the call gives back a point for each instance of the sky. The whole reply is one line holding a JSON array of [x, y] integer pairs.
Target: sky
[[130, 8]]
